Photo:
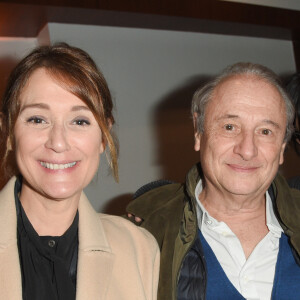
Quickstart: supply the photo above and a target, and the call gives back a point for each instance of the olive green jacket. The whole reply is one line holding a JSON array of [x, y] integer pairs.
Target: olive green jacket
[[169, 213]]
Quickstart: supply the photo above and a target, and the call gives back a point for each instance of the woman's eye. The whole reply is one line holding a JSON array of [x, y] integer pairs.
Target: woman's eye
[[229, 127], [36, 120], [81, 122]]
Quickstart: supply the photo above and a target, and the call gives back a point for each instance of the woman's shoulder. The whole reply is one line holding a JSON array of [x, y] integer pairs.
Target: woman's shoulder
[[123, 230], [136, 256]]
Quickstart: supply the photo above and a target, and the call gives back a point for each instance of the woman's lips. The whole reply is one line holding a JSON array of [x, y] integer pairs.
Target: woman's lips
[[57, 166]]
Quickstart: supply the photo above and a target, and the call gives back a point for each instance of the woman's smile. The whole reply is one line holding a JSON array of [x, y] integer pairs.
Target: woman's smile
[[56, 166]]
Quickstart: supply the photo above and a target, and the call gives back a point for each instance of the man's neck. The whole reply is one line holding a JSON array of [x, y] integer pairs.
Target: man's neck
[[245, 216]]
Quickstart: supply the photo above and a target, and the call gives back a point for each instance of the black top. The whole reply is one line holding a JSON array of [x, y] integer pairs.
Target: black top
[[48, 263]]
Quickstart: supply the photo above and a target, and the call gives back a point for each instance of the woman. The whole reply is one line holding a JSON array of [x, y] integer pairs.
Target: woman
[[56, 118]]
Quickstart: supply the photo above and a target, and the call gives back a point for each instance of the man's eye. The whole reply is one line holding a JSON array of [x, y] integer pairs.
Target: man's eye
[[266, 131], [229, 127], [81, 122], [36, 120]]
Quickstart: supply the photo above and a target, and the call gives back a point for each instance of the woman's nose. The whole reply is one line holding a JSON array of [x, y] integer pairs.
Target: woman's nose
[[57, 139]]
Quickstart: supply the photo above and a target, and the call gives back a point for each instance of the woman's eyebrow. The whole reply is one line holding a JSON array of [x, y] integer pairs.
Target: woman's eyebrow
[[46, 106], [35, 105], [79, 107]]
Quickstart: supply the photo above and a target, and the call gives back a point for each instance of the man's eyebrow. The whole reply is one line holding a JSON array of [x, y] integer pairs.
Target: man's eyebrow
[[275, 124], [266, 121]]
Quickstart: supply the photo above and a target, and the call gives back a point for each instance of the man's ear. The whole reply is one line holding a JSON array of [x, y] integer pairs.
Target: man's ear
[[197, 135], [281, 158], [195, 117]]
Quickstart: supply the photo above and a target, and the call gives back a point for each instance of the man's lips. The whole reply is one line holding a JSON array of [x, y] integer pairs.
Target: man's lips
[[243, 169]]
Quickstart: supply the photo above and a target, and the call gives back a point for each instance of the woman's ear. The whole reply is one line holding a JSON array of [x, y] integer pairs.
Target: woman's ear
[[8, 142], [102, 146], [1, 120], [104, 142]]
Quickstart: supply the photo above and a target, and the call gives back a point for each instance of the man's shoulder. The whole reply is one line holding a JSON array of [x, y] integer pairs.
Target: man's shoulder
[[287, 204], [284, 190], [287, 199], [294, 182], [152, 198]]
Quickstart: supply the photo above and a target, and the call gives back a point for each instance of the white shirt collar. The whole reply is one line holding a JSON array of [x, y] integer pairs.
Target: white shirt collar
[[203, 215]]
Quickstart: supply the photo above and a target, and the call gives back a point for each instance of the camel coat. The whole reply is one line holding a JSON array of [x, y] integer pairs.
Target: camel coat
[[116, 259]]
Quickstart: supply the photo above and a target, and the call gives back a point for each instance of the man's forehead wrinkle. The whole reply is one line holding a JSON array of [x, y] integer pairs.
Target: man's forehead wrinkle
[[270, 122], [227, 116], [243, 111], [249, 99], [223, 95]]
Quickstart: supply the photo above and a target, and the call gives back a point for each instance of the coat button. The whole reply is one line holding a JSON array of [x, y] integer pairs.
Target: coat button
[[51, 243]]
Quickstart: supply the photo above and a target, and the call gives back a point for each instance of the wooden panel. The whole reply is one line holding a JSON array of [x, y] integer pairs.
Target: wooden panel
[[25, 17], [296, 45], [21, 20]]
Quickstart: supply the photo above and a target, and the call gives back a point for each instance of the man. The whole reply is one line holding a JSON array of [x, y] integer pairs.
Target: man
[[232, 231]]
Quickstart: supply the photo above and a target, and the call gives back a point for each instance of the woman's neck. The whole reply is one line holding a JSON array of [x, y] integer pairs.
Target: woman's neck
[[48, 216]]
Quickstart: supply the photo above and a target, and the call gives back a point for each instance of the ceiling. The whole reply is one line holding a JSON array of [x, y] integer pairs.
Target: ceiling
[[25, 18], [288, 4]]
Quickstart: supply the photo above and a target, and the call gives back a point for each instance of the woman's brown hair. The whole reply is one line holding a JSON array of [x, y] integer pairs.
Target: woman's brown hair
[[75, 71]]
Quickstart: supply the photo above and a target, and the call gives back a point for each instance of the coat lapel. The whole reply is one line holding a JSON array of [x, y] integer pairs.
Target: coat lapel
[[95, 258], [10, 274]]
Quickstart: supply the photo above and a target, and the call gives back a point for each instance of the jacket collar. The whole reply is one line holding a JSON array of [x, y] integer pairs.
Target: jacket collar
[[91, 233], [10, 273], [8, 216], [192, 179], [95, 257], [286, 203]]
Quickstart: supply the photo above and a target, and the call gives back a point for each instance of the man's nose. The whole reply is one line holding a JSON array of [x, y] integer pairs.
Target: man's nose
[[246, 146], [57, 139]]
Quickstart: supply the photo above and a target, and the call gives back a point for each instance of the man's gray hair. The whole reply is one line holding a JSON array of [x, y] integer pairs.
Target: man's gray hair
[[204, 94]]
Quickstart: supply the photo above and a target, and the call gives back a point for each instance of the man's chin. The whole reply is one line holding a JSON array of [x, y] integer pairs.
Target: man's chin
[[244, 189]]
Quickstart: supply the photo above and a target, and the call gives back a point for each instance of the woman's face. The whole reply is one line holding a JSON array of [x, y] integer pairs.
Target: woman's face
[[57, 140]]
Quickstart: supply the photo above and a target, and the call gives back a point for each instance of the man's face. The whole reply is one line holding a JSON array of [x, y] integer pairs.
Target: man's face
[[242, 143]]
